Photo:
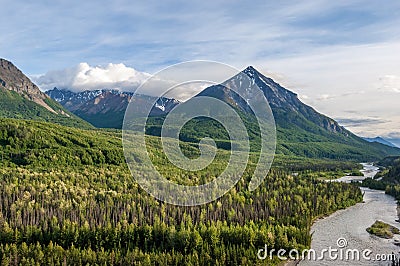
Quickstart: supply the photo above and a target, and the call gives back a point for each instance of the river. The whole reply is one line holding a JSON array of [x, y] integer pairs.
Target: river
[[350, 225]]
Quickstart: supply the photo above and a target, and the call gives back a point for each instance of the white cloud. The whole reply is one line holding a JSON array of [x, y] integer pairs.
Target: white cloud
[[180, 82], [325, 97], [303, 97], [390, 83], [85, 77]]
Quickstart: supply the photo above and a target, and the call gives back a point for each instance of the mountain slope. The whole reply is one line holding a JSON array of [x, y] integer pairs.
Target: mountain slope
[[20, 98], [380, 140], [288, 110], [392, 175], [106, 108], [301, 130]]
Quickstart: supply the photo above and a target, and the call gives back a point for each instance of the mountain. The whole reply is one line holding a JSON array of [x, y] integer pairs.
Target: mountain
[[285, 104], [106, 108], [21, 98], [395, 141], [301, 130], [71, 99], [380, 140]]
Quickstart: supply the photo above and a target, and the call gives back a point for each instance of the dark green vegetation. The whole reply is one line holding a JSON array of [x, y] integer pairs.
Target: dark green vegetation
[[106, 120], [67, 198], [356, 173], [383, 230], [292, 140], [13, 105], [391, 162], [389, 177], [298, 136]]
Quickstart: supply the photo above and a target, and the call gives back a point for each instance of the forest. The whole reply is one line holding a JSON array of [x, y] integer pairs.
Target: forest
[[68, 198], [388, 179]]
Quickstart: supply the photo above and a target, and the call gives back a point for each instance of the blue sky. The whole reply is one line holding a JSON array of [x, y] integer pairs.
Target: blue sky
[[342, 57], [147, 35]]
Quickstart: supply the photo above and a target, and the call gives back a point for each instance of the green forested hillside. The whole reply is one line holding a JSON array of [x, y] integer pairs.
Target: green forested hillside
[[304, 139], [21, 98], [314, 142], [388, 178], [67, 198], [103, 120], [13, 105], [391, 176], [392, 171]]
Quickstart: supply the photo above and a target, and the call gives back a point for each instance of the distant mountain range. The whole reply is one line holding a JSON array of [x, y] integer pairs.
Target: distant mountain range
[[106, 108], [301, 131], [20, 98], [380, 140]]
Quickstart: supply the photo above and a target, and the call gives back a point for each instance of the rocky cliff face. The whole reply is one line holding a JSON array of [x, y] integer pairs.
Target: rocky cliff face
[[104, 101], [11, 78], [285, 105], [106, 108], [20, 98]]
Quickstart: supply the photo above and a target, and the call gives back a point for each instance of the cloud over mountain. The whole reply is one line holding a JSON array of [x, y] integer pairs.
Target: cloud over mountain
[[85, 77]]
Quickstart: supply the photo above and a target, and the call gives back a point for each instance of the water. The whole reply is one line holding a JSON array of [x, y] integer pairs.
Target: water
[[350, 224], [368, 170]]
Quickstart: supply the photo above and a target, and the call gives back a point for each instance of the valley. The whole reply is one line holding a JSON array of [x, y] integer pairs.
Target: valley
[[199, 133], [67, 196], [351, 224]]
